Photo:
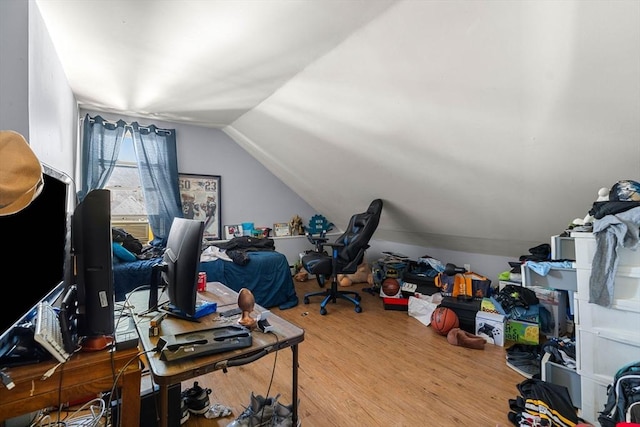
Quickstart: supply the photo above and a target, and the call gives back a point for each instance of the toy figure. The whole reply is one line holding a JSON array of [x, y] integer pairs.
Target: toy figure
[[296, 227]]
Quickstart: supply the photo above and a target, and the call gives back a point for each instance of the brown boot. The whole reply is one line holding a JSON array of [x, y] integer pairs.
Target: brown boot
[[457, 336]]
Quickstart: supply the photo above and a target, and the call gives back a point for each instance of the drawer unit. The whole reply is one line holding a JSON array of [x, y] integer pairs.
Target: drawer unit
[[601, 352], [590, 316], [585, 248], [626, 288], [593, 396], [557, 278], [563, 247], [559, 374]]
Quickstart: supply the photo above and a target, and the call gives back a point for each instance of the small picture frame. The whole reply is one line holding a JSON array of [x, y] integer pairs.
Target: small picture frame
[[281, 229], [231, 231]]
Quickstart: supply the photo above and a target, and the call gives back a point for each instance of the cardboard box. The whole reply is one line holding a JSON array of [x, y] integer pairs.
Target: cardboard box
[[522, 332], [490, 326]]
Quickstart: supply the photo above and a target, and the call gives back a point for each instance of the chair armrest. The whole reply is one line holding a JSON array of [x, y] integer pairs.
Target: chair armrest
[[335, 245], [316, 240]]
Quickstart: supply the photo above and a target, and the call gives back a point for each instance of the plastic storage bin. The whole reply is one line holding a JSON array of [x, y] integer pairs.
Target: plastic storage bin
[[585, 247], [564, 376], [626, 288], [589, 315], [593, 396], [610, 350]]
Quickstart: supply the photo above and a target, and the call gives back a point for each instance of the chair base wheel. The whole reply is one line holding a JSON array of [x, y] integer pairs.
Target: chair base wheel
[[306, 300], [323, 311], [358, 309]]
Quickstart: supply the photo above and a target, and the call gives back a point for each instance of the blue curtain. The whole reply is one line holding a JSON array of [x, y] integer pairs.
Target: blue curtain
[[158, 165], [101, 141]]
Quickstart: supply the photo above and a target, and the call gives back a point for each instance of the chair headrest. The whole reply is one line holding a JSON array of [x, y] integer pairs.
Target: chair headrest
[[375, 206]]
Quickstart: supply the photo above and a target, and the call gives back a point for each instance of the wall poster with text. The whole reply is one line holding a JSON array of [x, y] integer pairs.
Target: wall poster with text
[[200, 196]]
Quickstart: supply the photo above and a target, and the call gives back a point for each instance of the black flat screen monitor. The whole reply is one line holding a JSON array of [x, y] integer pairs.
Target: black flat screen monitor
[[36, 261], [93, 253], [181, 261]]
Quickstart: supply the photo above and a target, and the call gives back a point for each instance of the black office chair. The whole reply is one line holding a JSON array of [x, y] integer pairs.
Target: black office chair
[[347, 253]]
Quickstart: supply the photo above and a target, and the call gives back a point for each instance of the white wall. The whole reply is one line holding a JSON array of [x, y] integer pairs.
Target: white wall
[[53, 110], [35, 97], [14, 66], [486, 126]]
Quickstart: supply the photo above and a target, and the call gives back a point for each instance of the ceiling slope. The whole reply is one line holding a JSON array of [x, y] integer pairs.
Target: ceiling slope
[[193, 61], [485, 126]]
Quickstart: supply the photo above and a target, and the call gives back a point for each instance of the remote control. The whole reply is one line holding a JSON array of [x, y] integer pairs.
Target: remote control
[[231, 312]]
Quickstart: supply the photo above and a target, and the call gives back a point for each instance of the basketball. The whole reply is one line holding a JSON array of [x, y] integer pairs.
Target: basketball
[[444, 319], [390, 287]]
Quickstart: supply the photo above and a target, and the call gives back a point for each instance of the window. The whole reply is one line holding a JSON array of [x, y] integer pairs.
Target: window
[[127, 200]]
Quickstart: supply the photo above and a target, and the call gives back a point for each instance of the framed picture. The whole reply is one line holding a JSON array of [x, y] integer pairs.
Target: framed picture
[[200, 196], [231, 231], [281, 229]]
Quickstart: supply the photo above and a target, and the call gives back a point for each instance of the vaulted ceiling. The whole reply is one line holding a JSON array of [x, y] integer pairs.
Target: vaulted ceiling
[[486, 126]]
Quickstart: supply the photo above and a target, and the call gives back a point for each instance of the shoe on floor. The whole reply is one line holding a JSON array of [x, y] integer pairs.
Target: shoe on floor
[[258, 413], [283, 416], [184, 412], [526, 368], [197, 399]]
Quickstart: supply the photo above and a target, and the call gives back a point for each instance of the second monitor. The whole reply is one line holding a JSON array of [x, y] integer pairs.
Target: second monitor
[[180, 267]]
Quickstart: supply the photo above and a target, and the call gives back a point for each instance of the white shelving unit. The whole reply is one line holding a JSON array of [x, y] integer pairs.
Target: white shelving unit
[[606, 338]]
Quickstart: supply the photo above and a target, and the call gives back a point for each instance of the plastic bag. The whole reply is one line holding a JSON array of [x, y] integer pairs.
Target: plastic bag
[[422, 307]]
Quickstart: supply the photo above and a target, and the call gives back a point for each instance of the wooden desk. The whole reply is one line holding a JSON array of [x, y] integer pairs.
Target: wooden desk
[[83, 375], [169, 373]]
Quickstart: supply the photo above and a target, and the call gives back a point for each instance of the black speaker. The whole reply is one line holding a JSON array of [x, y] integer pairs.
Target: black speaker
[[150, 407], [93, 253]]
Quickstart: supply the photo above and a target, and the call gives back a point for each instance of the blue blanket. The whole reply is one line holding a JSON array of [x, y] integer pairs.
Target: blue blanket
[[266, 275], [128, 276]]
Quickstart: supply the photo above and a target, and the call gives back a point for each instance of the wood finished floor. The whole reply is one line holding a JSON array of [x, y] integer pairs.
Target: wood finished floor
[[375, 368]]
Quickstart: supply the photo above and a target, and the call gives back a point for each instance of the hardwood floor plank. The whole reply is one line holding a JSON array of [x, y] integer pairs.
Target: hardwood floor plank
[[375, 368]]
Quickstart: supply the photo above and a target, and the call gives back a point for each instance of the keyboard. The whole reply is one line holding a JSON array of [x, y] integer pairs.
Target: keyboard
[[48, 332]]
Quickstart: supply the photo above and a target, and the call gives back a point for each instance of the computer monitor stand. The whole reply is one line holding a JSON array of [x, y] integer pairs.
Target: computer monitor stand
[[156, 271]]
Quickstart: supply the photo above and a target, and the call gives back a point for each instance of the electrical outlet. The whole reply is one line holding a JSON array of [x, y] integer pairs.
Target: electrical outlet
[[467, 267]]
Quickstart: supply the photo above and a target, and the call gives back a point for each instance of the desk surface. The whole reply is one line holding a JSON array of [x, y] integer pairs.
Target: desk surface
[[173, 372]]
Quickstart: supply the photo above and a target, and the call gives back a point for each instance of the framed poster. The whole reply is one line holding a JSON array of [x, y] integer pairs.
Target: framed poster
[[200, 196], [231, 231]]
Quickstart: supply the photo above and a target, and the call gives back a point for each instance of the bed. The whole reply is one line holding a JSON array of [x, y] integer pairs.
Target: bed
[[266, 275], [129, 275]]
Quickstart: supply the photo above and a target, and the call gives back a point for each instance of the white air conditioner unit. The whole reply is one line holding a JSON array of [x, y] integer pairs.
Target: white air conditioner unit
[[138, 229]]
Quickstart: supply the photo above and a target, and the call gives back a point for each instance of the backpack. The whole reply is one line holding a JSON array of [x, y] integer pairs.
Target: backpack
[[623, 397], [543, 403], [511, 296], [130, 243]]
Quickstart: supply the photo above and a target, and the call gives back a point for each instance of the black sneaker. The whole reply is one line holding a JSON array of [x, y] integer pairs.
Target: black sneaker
[[196, 398], [525, 359]]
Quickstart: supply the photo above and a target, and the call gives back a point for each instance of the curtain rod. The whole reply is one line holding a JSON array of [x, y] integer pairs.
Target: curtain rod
[[130, 125]]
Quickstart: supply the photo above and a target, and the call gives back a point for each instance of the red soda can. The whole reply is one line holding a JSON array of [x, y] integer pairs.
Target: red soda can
[[202, 281]]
